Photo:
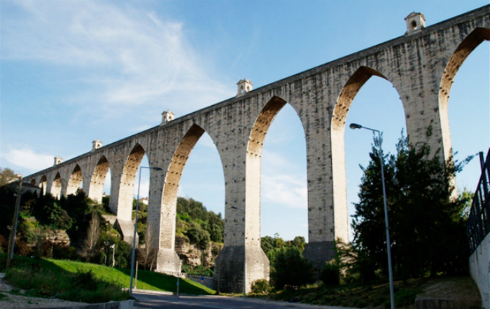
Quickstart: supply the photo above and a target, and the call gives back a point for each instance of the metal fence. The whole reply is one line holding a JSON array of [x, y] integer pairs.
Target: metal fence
[[478, 221]]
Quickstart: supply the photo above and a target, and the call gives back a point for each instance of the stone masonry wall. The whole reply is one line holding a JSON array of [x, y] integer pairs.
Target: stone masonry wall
[[421, 67]]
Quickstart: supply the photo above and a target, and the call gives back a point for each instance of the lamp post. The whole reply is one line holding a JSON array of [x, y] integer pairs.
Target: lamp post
[[244, 251], [354, 126], [135, 225], [13, 229], [180, 268], [113, 253]]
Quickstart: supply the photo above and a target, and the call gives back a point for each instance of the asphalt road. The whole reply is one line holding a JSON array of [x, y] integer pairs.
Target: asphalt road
[[147, 300]]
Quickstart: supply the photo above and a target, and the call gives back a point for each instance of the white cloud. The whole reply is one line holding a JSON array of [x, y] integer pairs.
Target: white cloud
[[281, 184], [207, 141], [124, 55], [144, 188], [284, 189], [272, 161], [27, 158]]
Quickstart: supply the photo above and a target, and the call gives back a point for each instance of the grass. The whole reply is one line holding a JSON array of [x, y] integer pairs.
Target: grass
[[146, 280], [377, 294], [47, 277]]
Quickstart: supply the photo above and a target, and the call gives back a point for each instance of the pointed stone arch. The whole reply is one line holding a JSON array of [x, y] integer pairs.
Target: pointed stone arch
[[167, 259], [464, 49], [337, 141], [75, 181], [171, 185], [126, 184], [97, 180], [349, 92], [253, 168], [56, 186], [242, 227], [43, 184]]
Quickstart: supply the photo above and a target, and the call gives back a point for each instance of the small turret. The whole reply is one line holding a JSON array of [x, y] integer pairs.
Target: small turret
[[415, 23], [96, 145], [58, 160], [167, 116], [244, 86]]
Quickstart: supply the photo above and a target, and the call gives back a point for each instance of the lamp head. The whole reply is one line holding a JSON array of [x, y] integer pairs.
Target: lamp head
[[354, 126]]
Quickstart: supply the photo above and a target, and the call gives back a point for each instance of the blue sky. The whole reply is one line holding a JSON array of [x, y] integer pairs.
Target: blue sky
[[75, 71]]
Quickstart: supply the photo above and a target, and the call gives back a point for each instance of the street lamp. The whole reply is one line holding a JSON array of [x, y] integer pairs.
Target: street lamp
[[244, 251], [135, 225], [113, 247], [13, 229], [180, 269], [354, 126]]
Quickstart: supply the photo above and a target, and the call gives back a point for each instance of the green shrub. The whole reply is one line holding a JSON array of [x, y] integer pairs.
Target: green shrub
[[22, 248], [64, 252], [405, 297], [330, 274], [260, 286], [291, 269], [197, 270], [197, 235]]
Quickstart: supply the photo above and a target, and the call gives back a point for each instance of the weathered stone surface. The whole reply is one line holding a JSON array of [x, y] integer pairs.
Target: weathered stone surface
[[319, 252], [229, 267], [420, 65]]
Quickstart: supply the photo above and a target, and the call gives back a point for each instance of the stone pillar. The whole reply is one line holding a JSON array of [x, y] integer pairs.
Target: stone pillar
[[161, 226], [49, 183], [86, 186], [327, 200], [242, 207], [120, 203], [419, 89]]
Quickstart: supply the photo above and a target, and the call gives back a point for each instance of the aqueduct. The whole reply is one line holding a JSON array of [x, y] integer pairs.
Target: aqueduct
[[421, 66]]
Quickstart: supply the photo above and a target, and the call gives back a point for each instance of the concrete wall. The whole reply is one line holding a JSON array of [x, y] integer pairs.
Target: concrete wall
[[480, 270]]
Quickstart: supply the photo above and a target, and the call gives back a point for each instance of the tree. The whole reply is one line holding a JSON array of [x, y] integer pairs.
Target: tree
[[93, 233], [198, 236], [426, 226], [291, 269], [299, 242], [80, 208], [6, 176], [147, 253]]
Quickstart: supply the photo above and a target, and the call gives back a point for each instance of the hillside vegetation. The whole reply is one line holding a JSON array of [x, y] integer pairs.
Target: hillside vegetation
[[87, 282], [75, 228]]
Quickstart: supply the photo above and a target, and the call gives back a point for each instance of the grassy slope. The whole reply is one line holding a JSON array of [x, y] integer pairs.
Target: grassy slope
[[146, 280], [378, 294]]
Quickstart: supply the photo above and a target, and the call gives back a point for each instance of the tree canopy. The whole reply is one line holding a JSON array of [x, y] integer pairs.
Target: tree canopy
[[427, 229], [197, 223], [6, 175]]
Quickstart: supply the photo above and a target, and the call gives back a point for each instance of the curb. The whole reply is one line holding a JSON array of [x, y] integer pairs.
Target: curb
[[126, 304], [249, 300]]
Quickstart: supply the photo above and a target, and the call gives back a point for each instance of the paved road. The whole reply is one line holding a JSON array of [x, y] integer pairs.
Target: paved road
[[147, 300]]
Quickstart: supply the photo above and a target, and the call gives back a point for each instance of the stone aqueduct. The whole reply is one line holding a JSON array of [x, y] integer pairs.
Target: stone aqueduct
[[421, 65]]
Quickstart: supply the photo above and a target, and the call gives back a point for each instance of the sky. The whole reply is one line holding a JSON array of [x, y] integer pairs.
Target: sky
[[75, 71]]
